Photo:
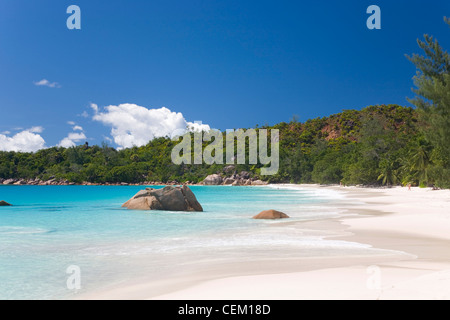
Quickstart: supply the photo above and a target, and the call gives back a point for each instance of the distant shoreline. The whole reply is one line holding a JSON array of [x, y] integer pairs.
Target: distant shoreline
[[54, 182]]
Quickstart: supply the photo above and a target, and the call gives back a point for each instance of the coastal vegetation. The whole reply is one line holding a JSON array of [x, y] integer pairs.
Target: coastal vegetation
[[379, 145]]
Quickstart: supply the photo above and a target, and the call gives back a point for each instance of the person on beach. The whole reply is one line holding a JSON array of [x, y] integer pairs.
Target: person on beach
[[409, 187]]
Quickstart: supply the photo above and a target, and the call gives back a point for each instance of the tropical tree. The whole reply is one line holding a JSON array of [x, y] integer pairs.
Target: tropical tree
[[388, 174], [433, 102], [421, 161]]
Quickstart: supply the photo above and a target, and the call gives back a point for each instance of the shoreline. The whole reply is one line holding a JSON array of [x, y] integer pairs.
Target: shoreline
[[251, 182], [413, 222]]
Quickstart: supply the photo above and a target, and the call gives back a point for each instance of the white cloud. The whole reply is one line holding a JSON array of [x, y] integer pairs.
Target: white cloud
[[133, 125], [84, 114], [94, 107], [197, 126], [72, 139], [37, 129], [46, 83], [74, 125], [25, 141]]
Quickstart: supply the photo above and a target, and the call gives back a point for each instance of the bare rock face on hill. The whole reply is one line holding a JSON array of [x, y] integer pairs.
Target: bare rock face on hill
[[271, 214], [168, 199]]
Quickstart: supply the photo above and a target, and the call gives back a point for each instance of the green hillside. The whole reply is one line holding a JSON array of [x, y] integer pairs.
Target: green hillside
[[379, 145]]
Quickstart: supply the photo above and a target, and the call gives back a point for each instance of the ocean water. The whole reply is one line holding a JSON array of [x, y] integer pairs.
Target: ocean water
[[50, 228]]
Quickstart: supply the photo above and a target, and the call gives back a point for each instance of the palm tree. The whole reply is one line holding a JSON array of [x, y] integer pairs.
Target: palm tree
[[420, 160], [388, 174]]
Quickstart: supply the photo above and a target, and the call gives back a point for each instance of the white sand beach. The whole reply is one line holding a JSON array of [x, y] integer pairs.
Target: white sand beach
[[414, 224]]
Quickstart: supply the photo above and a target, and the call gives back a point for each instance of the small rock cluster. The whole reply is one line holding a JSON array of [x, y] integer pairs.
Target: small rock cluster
[[241, 179], [36, 182]]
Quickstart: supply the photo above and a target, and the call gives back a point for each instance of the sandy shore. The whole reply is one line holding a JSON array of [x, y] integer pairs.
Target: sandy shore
[[414, 224]]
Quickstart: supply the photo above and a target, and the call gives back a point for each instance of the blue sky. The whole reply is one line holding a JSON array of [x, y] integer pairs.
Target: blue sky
[[230, 64]]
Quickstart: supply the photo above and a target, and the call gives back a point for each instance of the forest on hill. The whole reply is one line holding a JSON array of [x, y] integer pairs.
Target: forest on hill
[[379, 145]]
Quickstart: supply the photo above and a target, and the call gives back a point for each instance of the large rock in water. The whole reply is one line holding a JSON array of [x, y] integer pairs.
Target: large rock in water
[[168, 198], [271, 214], [213, 180], [4, 204]]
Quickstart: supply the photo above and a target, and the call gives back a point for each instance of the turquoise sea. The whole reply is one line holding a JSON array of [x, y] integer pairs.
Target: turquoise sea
[[50, 228]]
